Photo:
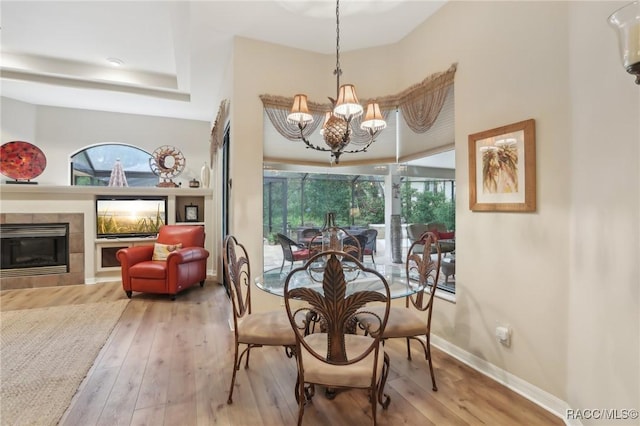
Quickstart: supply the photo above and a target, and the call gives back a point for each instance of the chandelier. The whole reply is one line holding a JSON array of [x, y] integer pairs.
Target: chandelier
[[336, 129]]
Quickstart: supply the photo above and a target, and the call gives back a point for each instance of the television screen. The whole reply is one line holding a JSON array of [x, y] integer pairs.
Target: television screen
[[130, 216]]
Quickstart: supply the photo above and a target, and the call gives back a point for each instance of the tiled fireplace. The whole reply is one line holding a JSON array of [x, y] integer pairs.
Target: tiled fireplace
[[41, 250]]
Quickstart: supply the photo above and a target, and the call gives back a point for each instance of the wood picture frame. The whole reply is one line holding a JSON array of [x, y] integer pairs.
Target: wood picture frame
[[191, 213], [502, 168]]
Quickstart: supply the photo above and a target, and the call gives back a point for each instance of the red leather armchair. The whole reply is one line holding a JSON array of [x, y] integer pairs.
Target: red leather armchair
[[183, 267]]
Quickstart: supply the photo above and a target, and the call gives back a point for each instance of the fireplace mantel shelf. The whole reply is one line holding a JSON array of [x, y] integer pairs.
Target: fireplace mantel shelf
[[101, 190]]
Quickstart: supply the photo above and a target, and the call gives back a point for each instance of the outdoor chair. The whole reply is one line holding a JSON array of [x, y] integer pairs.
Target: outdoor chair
[[333, 357], [369, 248], [307, 234], [446, 238], [354, 245], [413, 322], [270, 328], [291, 251], [351, 244]]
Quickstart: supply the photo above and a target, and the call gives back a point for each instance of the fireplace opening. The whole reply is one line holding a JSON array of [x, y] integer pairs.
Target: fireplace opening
[[34, 249]]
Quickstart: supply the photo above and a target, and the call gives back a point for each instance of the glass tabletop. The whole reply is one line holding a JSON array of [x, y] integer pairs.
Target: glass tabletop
[[272, 281]]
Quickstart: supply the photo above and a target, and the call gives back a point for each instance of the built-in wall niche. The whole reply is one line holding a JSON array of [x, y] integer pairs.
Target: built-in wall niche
[[189, 209], [106, 260]]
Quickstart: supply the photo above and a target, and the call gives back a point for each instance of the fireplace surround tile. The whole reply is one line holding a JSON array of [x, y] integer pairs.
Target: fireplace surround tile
[[44, 218], [76, 242], [75, 275]]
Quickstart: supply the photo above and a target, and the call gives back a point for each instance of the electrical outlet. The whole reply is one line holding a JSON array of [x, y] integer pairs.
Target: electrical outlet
[[503, 334]]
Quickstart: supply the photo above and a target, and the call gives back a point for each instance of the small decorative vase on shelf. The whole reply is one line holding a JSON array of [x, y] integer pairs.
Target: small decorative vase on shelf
[[205, 175]]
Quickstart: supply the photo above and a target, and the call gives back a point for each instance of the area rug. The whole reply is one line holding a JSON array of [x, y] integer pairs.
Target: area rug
[[45, 354]]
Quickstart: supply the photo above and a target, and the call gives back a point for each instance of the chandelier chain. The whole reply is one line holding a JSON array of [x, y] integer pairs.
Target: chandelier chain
[[336, 129], [338, 71]]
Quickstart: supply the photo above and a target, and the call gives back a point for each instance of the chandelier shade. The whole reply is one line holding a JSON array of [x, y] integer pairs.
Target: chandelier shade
[[347, 105], [336, 129], [373, 119], [300, 111]]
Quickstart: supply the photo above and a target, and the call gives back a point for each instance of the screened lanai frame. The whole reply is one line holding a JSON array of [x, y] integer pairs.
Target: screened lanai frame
[[348, 210], [92, 165], [352, 210], [414, 184]]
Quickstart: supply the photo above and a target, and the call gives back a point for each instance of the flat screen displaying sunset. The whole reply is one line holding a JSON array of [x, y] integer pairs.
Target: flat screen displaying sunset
[[128, 217]]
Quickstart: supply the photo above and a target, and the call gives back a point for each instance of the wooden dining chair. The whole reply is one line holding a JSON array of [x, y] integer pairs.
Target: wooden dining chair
[[252, 330], [413, 321], [333, 357]]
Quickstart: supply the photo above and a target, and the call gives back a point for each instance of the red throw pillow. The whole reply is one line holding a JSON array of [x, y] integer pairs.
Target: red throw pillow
[[446, 235]]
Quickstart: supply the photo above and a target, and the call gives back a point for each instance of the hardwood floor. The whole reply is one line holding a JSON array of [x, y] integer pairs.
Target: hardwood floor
[[168, 363]]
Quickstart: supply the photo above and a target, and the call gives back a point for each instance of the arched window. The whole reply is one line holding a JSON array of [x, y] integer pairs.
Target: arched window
[[92, 166]]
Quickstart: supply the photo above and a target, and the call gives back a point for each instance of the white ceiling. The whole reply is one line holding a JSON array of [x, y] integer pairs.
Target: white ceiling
[[175, 53]]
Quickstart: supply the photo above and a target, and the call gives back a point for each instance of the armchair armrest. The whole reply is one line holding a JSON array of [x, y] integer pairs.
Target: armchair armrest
[[185, 267], [187, 254], [131, 255]]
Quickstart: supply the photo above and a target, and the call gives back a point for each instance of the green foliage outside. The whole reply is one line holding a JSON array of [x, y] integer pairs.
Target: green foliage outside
[[306, 204], [426, 206], [321, 196]]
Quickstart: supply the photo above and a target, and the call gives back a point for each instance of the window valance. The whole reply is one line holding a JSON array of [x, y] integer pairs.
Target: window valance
[[217, 131], [419, 105]]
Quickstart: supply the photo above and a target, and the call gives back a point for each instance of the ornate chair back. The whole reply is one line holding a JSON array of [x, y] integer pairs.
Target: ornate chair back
[[421, 267], [337, 357], [252, 330], [238, 274]]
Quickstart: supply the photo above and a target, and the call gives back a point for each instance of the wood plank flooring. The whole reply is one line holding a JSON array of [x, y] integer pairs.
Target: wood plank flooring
[[169, 363]]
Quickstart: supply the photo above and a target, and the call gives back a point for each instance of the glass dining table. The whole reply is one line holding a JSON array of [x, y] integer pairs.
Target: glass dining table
[[273, 280]]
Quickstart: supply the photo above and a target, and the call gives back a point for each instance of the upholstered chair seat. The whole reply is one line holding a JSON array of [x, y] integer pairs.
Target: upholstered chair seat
[[356, 375], [154, 271], [402, 322], [266, 328]]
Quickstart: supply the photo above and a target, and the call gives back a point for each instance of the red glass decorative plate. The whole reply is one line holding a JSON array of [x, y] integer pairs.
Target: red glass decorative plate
[[21, 160]]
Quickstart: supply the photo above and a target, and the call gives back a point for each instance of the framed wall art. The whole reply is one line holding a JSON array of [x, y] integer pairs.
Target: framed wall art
[[191, 213], [502, 168]]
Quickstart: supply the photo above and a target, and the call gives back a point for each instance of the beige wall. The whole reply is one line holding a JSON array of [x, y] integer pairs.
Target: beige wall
[[508, 72], [603, 332], [516, 61], [64, 130], [18, 121], [259, 68]]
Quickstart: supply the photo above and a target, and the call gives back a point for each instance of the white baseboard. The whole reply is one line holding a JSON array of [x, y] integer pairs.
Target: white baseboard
[[534, 394]]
